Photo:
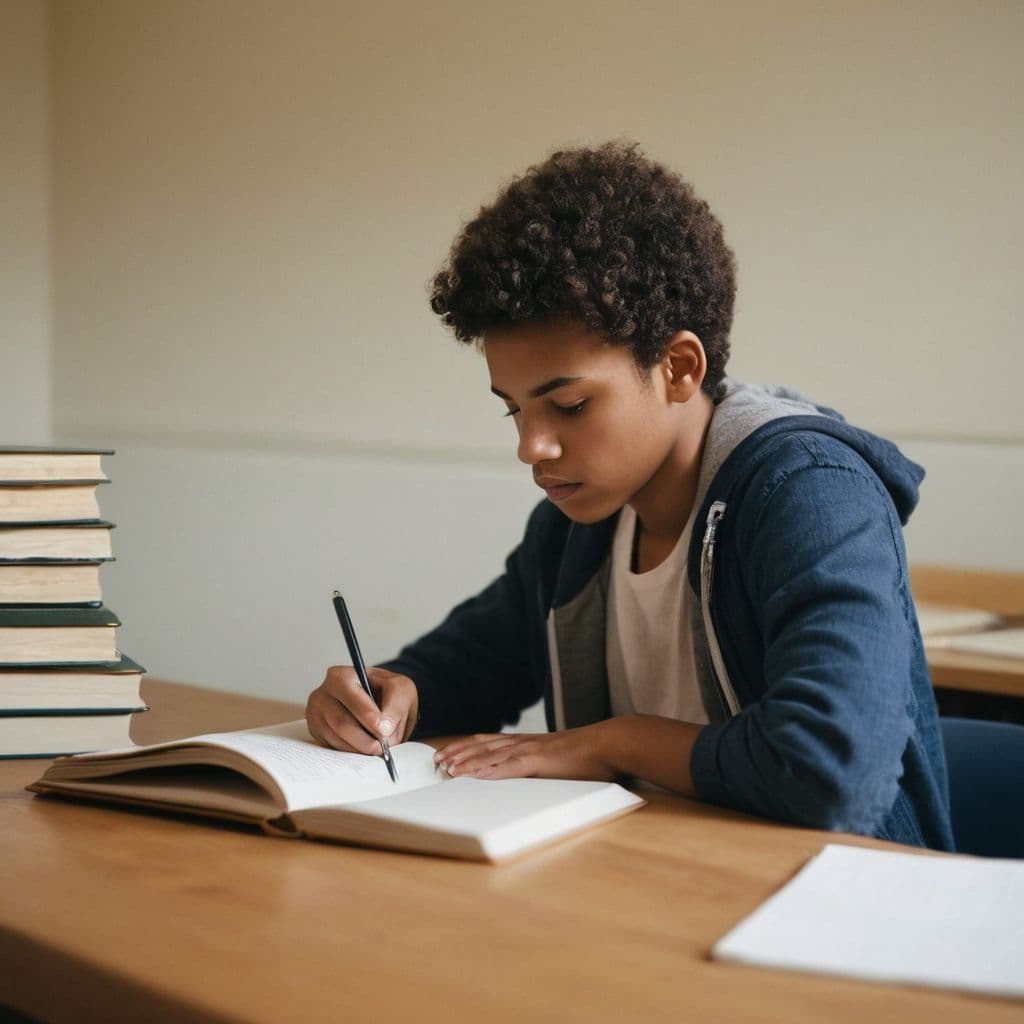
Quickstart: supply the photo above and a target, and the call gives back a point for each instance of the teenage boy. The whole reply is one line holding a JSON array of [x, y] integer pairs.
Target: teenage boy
[[713, 596]]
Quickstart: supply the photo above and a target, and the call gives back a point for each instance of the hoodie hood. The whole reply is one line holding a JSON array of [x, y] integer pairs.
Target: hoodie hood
[[747, 427], [747, 416]]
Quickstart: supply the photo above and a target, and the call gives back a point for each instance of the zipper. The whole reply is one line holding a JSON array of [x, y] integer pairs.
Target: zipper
[[554, 662], [707, 572], [555, 670]]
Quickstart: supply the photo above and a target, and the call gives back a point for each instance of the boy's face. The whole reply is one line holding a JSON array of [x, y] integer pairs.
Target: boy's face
[[595, 432]]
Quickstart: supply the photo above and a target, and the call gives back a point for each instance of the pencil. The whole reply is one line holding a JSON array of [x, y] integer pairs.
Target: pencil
[[357, 663]]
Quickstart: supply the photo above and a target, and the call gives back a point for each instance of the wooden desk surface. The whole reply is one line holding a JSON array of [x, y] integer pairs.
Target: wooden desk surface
[[110, 915], [1001, 592], [979, 673]]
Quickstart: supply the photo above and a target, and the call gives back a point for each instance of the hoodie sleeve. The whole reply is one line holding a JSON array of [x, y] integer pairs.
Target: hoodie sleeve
[[480, 667], [822, 745]]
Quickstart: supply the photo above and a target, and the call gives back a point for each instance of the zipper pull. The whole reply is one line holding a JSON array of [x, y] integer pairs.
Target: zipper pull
[[730, 704], [715, 515]]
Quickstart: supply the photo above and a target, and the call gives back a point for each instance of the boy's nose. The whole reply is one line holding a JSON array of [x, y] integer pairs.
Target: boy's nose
[[537, 445]]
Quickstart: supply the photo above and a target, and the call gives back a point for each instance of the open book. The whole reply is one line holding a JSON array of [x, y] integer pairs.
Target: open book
[[277, 777]]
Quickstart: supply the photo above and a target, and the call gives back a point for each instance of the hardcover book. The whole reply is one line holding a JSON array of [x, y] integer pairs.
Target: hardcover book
[[279, 779], [57, 636], [53, 735], [107, 686], [48, 503], [64, 542], [39, 464], [48, 582]]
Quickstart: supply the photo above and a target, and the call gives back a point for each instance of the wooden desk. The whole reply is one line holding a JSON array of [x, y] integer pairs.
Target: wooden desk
[[110, 915], [991, 591], [978, 673]]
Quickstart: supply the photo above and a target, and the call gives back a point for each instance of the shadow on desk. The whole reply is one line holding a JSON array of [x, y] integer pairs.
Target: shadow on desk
[[9, 1016]]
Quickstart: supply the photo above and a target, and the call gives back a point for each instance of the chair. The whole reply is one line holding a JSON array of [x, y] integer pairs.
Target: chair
[[986, 785]]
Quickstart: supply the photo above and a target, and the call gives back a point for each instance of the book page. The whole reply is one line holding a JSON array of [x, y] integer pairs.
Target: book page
[[500, 817], [946, 921], [309, 774], [286, 757]]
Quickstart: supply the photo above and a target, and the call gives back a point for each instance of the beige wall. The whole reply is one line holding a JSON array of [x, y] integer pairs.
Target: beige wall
[[24, 224], [249, 197]]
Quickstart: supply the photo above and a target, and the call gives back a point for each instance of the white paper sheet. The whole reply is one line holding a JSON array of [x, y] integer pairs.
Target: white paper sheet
[[943, 921], [1000, 643], [938, 620]]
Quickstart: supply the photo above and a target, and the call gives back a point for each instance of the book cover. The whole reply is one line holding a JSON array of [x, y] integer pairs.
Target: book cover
[[33, 618]]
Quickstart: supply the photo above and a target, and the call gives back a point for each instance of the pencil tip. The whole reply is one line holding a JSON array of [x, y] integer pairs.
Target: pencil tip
[[337, 593]]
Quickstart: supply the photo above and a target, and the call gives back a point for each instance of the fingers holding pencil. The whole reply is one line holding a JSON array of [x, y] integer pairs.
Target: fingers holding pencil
[[341, 715]]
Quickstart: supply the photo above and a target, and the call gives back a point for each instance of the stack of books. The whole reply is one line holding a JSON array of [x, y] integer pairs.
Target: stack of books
[[64, 686]]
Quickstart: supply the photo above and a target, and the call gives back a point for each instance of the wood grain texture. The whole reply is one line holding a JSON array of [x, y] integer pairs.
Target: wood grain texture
[[110, 915], [1001, 592], [979, 673]]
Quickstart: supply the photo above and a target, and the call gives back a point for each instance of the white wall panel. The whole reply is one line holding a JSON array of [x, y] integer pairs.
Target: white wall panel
[[251, 197]]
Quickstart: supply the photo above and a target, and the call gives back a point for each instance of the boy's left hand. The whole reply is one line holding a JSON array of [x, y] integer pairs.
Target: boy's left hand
[[570, 754]]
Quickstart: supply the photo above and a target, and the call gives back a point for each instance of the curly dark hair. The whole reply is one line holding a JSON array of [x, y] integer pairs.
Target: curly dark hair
[[605, 237]]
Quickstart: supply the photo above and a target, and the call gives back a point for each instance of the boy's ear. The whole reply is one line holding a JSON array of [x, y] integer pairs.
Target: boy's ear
[[684, 365]]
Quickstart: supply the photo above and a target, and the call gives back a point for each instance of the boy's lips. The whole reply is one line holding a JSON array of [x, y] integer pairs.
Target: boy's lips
[[557, 490]]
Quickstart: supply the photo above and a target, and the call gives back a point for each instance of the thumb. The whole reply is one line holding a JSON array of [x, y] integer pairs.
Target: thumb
[[394, 713], [387, 723]]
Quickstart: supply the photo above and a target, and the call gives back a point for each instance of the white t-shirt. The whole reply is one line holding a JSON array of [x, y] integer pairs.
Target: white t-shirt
[[649, 642]]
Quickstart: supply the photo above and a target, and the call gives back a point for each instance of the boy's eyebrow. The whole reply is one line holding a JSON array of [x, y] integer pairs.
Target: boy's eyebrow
[[543, 389]]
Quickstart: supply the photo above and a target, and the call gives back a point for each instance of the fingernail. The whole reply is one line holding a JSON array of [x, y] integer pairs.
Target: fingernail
[[387, 727]]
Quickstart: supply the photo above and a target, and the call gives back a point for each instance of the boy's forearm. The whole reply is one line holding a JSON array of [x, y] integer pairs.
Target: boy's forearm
[[651, 748]]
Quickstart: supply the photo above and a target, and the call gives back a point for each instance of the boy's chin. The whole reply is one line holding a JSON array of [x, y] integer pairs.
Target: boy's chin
[[589, 516]]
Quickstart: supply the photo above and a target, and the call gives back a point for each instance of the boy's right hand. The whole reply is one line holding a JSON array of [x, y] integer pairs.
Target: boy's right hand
[[340, 715]]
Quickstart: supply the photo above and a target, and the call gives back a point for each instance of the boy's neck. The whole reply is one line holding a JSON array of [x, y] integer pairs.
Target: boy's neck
[[663, 506]]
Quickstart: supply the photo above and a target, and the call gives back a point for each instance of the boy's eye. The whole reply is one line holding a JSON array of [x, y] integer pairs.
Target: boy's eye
[[568, 410]]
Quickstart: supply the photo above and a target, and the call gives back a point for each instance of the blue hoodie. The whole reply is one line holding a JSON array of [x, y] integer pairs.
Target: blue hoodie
[[808, 653]]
